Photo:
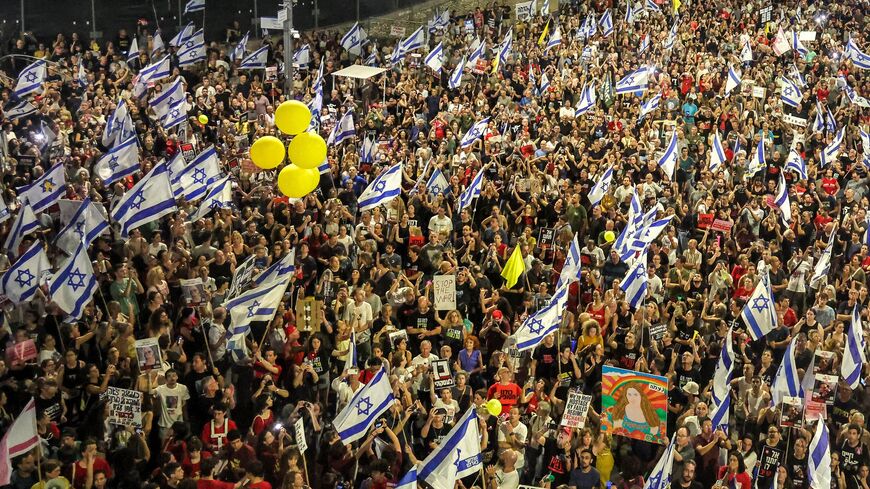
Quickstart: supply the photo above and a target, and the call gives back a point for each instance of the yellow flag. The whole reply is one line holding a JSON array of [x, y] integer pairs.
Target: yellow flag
[[514, 267], [543, 38], [677, 4]]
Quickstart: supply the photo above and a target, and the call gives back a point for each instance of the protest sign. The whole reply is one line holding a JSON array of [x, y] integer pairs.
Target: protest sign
[[794, 120], [770, 459], [824, 389], [575, 410], [21, 352], [657, 331], [193, 291], [444, 290], [148, 354], [815, 411], [720, 225], [638, 397], [441, 371], [792, 412], [299, 429], [524, 10], [758, 92], [397, 336], [546, 238], [125, 406], [823, 362], [397, 31]]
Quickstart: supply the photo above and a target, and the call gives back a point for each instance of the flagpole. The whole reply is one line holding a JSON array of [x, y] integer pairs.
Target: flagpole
[[179, 14]]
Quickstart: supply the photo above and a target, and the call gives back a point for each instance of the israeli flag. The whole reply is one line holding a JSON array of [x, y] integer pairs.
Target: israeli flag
[[651, 232], [660, 477], [668, 160], [782, 201], [409, 480], [591, 25], [633, 223], [555, 39], [4, 211], [858, 57], [119, 126], [120, 162], [854, 357], [257, 304], [368, 150], [758, 313], [746, 53], [316, 103], [352, 360], [865, 141], [471, 192], [635, 81], [797, 76], [606, 23], [733, 80], [819, 463], [193, 51], [786, 382], [819, 121], [30, 79], [853, 96], [133, 52], [220, 196], [717, 153], [175, 115], [437, 183], [504, 49], [280, 270], [183, 35], [545, 83], [157, 43], [239, 51], [85, 225], [546, 320], [652, 6], [415, 41], [194, 181], [588, 99], [758, 160], [672, 35], [435, 58], [635, 284], [440, 21], [342, 131], [724, 369], [20, 282], [830, 122], [372, 59], [155, 71], [823, 266], [629, 13], [19, 110], [169, 97], [832, 151], [73, 286], [45, 191], [545, 8], [477, 49], [382, 189], [649, 106], [796, 163], [456, 77], [644, 44], [791, 95], [352, 40], [25, 223], [364, 408], [256, 60], [457, 456], [474, 132], [82, 75], [601, 187], [720, 409], [571, 268], [797, 45], [194, 6], [302, 56], [150, 199]]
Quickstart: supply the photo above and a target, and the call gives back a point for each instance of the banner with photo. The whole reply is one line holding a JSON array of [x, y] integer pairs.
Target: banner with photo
[[634, 404]]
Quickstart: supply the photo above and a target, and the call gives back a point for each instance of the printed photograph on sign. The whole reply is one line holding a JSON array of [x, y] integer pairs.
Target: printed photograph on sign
[[823, 363], [791, 410], [193, 291], [634, 404], [148, 354], [824, 389]]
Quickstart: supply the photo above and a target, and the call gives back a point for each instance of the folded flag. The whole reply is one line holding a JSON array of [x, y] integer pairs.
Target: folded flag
[[717, 153]]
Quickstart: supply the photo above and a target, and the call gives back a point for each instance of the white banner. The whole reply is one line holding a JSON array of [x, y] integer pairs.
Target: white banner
[[794, 120], [575, 410], [444, 290], [525, 10], [299, 429]]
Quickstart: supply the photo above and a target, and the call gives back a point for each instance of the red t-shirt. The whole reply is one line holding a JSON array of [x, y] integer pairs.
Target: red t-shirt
[[260, 485], [192, 469], [215, 435], [508, 394], [213, 484], [79, 472]]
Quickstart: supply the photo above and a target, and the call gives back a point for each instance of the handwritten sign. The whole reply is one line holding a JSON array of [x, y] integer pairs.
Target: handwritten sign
[[299, 429], [793, 120], [444, 289], [758, 92], [524, 10], [575, 410], [397, 31], [125, 406]]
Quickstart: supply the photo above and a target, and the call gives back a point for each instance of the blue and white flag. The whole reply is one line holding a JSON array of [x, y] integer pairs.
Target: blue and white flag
[[791, 94], [25, 223], [758, 313], [719, 411], [786, 381], [19, 110], [72, 286], [819, 121], [150, 199], [504, 49], [256, 60], [782, 201], [456, 77], [193, 49], [220, 196], [194, 6], [82, 75], [724, 369], [440, 21], [823, 266], [352, 360], [601, 187], [280, 270], [746, 53], [409, 480], [660, 477], [606, 23], [119, 125], [832, 151], [797, 76], [169, 97], [635, 81], [830, 122], [545, 84], [415, 41], [797, 45], [756, 164], [133, 52], [633, 223], [717, 153], [544, 321], [182, 35], [672, 35], [342, 131], [302, 56], [629, 13], [588, 99], [457, 456], [853, 96], [555, 39], [471, 192], [239, 51], [85, 225], [668, 161], [854, 356], [733, 80], [258, 304], [649, 106], [364, 408], [590, 26], [858, 57], [435, 58], [652, 6], [368, 149], [545, 8], [571, 269], [175, 115], [796, 163], [819, 463], [352, 40], [383, 189], [157, 43], [30, 79], [45, 191], [474, 132], [477, 48], [644, 44], [120, 162], [635, 284], [865, 141], [372, 59], [194, 181], [437, 183], [20, 282], [155, 71]]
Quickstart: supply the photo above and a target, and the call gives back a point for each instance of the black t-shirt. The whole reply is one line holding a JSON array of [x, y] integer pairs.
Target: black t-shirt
[[852, 458], [555, 462], [51, 407], [841, 409], [625, 357], [435, 435], [546, 357], [797, 470], [423, 320]]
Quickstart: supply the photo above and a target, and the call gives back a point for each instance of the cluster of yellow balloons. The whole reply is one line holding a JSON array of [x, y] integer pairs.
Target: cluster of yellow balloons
[[306, 151]]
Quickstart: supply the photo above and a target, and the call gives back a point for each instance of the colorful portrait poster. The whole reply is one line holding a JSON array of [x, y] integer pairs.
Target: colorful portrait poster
[[634, 404]]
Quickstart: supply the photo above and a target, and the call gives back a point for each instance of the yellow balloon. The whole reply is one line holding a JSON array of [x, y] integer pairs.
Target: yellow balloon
[[609, 236], [292, 117], [203, 119], [494, 407], [297, 182], [267, 152], [307, 150]]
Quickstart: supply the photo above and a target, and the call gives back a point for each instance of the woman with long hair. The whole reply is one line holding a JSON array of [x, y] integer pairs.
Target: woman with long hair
[[633, 411], [735, 471]]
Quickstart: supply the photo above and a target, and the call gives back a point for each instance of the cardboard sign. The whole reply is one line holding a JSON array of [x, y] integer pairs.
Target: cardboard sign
[[125, 406], [443, 377], [705, 221], [524, 10], [444, 290], [397, 31], [481, 67], [22, 352], [758, 92], [720, 225], [793, 120], [823, 362], [299, 429], [397, 336], [308, 314], [575, 410]]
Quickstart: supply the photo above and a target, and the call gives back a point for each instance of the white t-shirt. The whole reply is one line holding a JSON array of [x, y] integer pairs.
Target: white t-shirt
[[510, 480], [522, 433], [172, 403]]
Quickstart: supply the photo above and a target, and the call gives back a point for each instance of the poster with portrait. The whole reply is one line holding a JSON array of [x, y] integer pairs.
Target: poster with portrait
[[634, 404], [193, 291], [148, 354], [791, 410], [823, 362], [824, 389]]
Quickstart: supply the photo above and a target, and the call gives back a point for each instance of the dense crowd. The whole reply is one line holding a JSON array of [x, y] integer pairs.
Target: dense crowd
[[215, 415]]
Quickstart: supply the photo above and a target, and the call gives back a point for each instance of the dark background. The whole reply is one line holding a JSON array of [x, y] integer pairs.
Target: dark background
[[45, 18]]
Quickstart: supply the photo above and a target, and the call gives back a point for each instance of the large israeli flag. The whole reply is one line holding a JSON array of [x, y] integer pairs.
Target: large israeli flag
[[119, 125], [156, 70], [719, 411], [858, 57], [73, 286], [19, 110], [796, 163], [457, 456], [342, 131], [435, 58], [717, 153], [819, 463], [85, 225], [183, 35], [606, 23], [854, 356], [30, 79], [601, 187], [782, 201], [786, 381], [150, 199], [724, 369], [456, 77], [220, 196], [571, 268], [437, 183], [194, 181], [364, 408], [120, 162], [239, 51], [257, 304], [280, 270], [382, 189], [791, 94], [352, 40], [823, 266], [635, 283], [543, 322], [171, 94], [26, 275], [635, 81], [832, 151], [758, 313], [587, 101], [733, 81], [256, 60], [471, 192], [649, 106], [660, 477], [45, 191]]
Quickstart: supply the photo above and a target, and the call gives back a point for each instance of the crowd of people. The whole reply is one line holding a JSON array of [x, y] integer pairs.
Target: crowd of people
[[213, 415]]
